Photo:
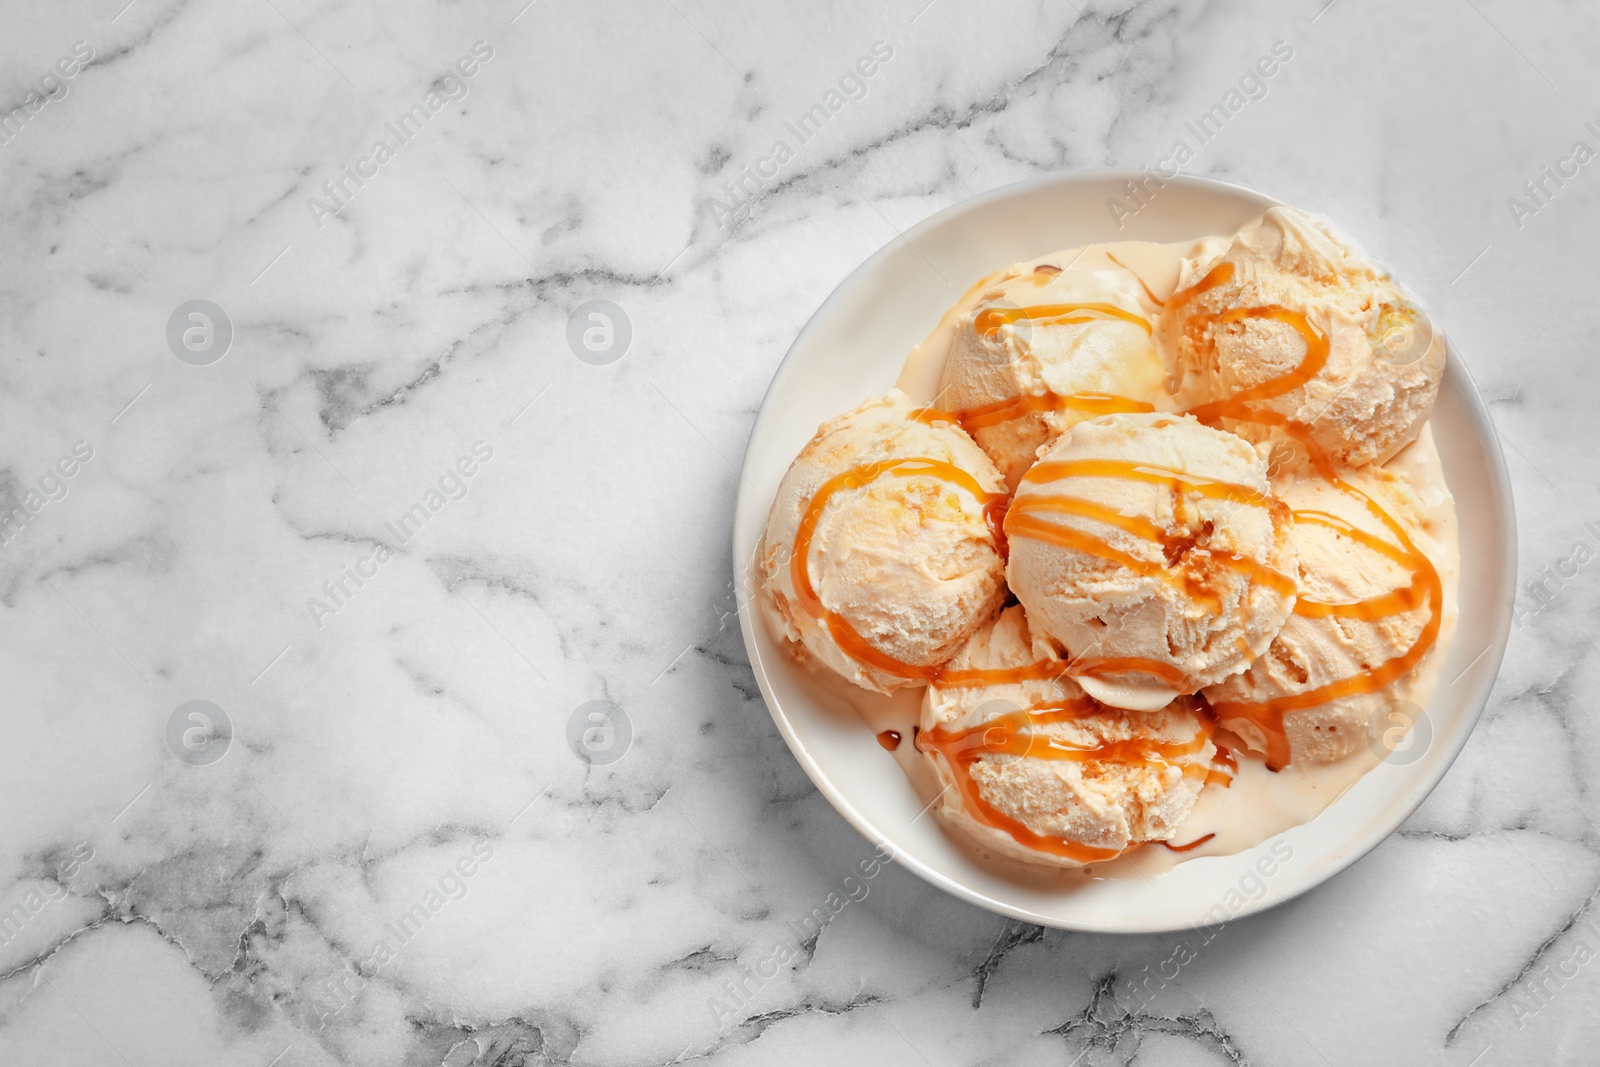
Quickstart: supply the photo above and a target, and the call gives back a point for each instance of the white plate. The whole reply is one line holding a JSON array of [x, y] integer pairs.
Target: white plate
[[853, 348]]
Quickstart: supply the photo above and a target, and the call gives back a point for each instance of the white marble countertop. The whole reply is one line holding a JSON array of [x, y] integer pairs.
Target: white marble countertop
[[400, 535]]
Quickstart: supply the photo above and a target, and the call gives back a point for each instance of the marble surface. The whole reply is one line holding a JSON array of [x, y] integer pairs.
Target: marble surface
[[398, 859]]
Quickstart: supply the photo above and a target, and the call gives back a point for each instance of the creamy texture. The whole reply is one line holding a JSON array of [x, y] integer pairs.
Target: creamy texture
[[1150, 548], [1029, 809], [1153, 268], [1289, 300], [1345, 558], [1261, 803], [1036, 770], [1036, 338], [899, 555]]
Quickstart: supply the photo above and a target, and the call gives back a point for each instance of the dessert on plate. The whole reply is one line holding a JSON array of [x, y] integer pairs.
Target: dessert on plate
[[1152, 547], [1038, 770], [882, 553], [1041, 334], [1292, 327], [1158, 532]]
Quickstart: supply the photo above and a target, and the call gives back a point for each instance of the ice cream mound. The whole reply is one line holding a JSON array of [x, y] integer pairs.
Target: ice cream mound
[[880, 555], [1151, 548], [1044, 348], [1367, 611], [1292, 325], [1037, 770], [1196, 468]]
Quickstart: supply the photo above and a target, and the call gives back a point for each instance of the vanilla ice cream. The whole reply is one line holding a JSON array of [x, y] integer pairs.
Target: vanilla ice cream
[[1232, 549], [1041, 348], [1151, 548], [1036, 770], [1294, 322], [1369, 607], [880, 556]]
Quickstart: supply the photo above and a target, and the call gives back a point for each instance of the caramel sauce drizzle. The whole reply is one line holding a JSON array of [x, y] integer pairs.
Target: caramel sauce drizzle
[[994, 514], [1316, 358], [1022, 521], [853, 644], [988, 323], [889, 739], [859, 649], [1025, 524], [1224, 765], [1374, 608], [856, 478], [1148, 294], [984, 415], [1178, 481], [989, 320], [1268, 715], [1015, 735], [1196, 843]]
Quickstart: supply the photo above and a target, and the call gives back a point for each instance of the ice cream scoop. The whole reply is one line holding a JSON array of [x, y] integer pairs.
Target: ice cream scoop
[[1042, 348], [1033, 768], [881, 552], [1151, 549], [1369, 610], [1294, 327]]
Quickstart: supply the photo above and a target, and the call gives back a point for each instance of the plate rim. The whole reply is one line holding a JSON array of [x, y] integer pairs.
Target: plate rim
[[1413, 797]]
